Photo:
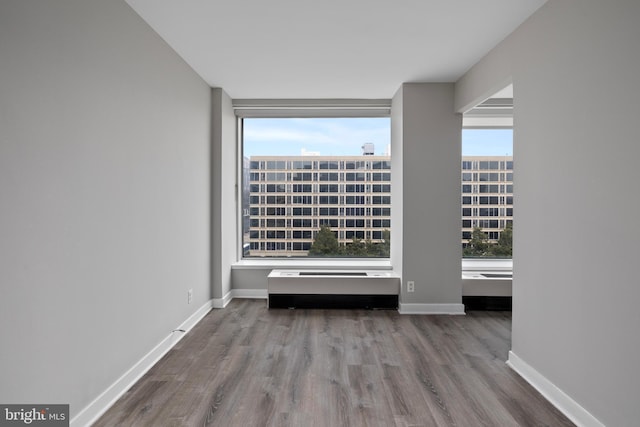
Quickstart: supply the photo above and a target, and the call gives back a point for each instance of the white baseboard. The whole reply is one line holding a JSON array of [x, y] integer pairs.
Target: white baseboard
[[250, 293], [409, 308], [222, 302], [565, 404], [99, 406], [239, 293]]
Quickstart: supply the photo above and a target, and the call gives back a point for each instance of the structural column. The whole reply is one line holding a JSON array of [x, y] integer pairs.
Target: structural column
[[426, 156]]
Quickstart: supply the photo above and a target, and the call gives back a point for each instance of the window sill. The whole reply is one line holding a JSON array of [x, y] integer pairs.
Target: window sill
[[487, 265], [350, 264]]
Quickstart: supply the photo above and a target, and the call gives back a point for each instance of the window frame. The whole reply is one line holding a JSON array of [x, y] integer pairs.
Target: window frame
[[488, 196], [300, 109]]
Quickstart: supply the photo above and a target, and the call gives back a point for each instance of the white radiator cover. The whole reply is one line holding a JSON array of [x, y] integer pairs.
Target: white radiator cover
[[334, 282]]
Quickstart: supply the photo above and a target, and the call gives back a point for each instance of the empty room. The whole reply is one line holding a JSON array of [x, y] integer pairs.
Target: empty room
[[319, 213]]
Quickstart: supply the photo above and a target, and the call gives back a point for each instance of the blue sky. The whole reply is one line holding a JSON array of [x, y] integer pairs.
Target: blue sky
[[327, 136], [345, 137], [487, 142]]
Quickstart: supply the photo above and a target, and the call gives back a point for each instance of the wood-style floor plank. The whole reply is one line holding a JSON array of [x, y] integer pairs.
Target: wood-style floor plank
[[246, 365]]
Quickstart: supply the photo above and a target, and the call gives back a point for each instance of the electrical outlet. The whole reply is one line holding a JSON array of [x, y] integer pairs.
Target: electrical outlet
[[411, 286], [189, 296]]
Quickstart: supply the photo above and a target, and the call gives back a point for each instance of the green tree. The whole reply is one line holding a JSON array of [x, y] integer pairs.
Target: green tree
[[380, 249], [367, 248], [386, 243], [371, 249], [478, 245], [356, 248], [504, 247], [325, 244]]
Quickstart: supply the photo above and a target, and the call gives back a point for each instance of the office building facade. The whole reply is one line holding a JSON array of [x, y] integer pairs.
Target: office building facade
[[487, 195], [288, 198], [291, 197]]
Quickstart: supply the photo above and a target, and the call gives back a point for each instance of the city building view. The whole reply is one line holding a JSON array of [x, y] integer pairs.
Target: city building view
[[289, 199], [487, 205]]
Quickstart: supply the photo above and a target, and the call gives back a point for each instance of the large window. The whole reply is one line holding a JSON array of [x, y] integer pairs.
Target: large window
[[313, 186], [487, 193]]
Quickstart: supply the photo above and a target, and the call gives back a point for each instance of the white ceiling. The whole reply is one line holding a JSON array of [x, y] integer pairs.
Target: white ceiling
[[331, 48]]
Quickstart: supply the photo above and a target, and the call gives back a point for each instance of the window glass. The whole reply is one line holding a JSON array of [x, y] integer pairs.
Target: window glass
[[308, 182], [486, 219]]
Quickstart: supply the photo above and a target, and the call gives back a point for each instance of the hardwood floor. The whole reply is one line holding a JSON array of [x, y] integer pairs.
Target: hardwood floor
[[248, 366]]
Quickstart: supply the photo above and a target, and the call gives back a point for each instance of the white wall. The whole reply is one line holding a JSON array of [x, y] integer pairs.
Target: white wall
[[575, 67], [104, 189], [430, 148]]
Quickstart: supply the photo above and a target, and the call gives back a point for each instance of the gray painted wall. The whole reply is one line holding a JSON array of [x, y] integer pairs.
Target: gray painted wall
[[397, 174], [430, 148], [575, 67], [104, 185], [223, 201], [255, 278]]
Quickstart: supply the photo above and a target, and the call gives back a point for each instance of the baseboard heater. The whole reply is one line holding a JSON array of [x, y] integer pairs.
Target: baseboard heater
[[343, 289], [486, 303]]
